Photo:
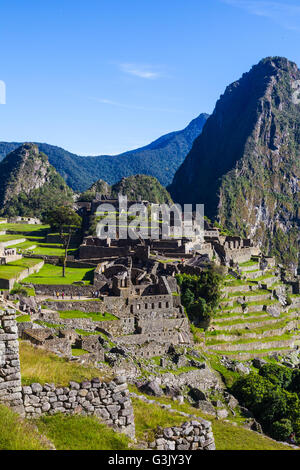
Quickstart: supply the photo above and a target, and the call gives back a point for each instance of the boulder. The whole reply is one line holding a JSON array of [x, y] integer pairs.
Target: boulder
[[152, 388], [206, 407], [223, 413], [241, 369], [258, 362], [197, 394]]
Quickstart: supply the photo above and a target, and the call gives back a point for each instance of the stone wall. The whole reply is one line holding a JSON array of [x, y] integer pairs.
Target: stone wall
[[108, 401], [113, 327], [191, 435], [10, 375], [289, 343], [84, 305], [75, 290]]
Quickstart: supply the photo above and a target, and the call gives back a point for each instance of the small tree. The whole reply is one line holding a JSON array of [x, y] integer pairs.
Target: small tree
[[66, 222]]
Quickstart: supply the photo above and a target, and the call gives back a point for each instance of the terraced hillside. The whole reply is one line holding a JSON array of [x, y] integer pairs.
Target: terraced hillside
[[253, 319]]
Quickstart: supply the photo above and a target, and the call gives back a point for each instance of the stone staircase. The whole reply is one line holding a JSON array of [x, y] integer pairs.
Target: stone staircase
[[250, 321]]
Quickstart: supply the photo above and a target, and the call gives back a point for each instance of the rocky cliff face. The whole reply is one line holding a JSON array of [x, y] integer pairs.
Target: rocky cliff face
[[245, 165], [29, 184]]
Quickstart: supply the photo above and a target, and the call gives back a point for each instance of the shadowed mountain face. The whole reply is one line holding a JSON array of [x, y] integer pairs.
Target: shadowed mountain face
[[245, 164], [159, 159], [31, 186]]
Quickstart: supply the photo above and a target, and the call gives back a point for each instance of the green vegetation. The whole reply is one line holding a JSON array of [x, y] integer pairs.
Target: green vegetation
[[67, 222], [22, 290], [246, 177], [23, 318], [11, 270], [227, 436], [79, 352], [43, 367], [50, 274], [201, 294], [18, 434], [95, 316], [145, 186], [272, 395], [19, 194], [80, 433], [160, 159]]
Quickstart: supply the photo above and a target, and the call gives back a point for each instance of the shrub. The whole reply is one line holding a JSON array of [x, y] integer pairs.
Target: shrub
[[277, 375], [20, 290], [281, 430]]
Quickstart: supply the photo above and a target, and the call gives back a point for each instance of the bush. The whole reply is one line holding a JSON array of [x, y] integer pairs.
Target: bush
[[295, 383], [277, 375], [20, 290], [281, 430], [201, 293]]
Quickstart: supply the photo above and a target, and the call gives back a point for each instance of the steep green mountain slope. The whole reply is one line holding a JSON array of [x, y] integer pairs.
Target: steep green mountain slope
[[160, 159], [147, 187], [30, 185], [144, 186], [245, 165]]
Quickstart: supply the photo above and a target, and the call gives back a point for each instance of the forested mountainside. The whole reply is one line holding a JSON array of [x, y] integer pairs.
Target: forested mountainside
[[30, 185], [159, 159]]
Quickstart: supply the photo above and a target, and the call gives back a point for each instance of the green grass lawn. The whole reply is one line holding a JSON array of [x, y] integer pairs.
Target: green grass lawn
[[227, 436], [18, 434], [87, 333], [10, 270], [95, 316], [37, 247], [80, 433], [52, 275], [79, 352], [24, 245], [52, 249], [25, 228], [7, 238], [23, 318], [38, 365]]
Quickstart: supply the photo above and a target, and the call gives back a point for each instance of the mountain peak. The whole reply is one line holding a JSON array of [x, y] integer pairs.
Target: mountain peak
[[244, 167], [30, 183]]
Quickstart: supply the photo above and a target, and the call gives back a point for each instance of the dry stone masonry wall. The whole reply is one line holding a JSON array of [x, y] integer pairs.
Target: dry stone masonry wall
[[191, 435], [10, 375], [109, 401]]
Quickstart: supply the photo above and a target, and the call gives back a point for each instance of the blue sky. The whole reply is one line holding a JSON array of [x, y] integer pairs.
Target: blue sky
[[105, 76]]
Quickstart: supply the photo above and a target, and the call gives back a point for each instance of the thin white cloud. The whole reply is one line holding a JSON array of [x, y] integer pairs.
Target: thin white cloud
[[129, 106], [285, 14], [149, 72]]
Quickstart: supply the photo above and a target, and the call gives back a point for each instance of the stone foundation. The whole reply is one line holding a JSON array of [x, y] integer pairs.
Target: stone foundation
[[191, 435], [108, 401], [10, 375]]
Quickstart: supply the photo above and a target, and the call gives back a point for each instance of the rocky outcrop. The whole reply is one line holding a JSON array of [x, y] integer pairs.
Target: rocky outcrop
[[244, 167], [29, 185]]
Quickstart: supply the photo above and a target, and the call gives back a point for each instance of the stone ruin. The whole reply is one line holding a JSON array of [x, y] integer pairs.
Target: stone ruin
[[191, 435], [109, 401], [207, 240], [8, 255]]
